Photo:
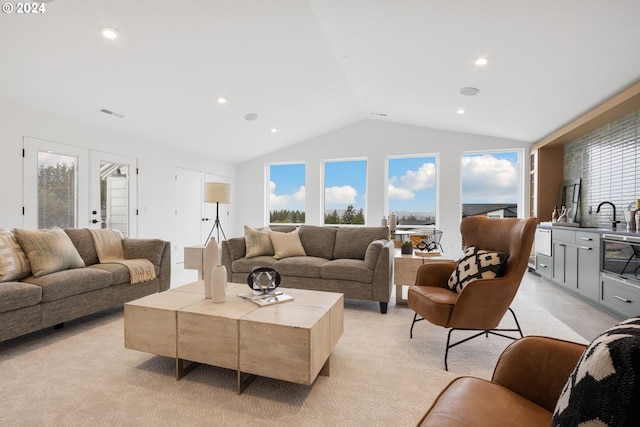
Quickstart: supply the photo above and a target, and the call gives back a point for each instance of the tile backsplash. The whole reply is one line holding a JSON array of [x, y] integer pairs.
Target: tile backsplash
[[607, 162]]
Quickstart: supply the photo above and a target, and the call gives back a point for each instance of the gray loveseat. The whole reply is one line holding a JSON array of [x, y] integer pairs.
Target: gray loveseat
[[355, 261], [33, 303]]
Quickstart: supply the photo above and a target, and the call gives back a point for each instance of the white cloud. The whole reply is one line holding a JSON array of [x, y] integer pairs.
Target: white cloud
[[486, 179], [422, 179], [345, 195], [293, 201]]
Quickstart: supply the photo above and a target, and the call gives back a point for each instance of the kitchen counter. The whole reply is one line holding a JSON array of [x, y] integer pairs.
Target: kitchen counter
[[622, 231]]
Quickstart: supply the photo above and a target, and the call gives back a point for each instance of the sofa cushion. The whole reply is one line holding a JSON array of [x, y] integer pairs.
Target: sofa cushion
[[300, 266], [48, 251], [119, 272], [286, 244], [246, 265], [476, 264], [257, 242], [604, 388], [14, 264], [82, 240], [15, 295], [346, 269], [151, 249], [65, 283], [318, 241], [352, 242]]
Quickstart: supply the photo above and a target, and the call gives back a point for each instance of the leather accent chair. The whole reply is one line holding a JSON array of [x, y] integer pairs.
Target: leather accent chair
[[482, 304], [525, 387]]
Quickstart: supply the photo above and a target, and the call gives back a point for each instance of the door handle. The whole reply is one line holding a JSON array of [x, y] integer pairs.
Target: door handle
[[94, 221]]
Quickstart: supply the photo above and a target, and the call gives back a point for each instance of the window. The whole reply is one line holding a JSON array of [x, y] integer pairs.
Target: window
[[345, 191], [57, 204], [286, 193], [411, 189], [490, 184]]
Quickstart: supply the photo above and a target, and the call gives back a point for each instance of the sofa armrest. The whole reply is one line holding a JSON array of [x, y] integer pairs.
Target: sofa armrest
[[382, 269], [537, 368], [231, 250], [155, 250]]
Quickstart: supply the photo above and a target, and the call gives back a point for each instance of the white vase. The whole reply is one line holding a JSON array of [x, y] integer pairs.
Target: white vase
[[218, 283], [210, 259]]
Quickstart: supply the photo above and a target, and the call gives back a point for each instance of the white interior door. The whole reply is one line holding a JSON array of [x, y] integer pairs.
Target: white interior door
[[113, 201], [190, 221]]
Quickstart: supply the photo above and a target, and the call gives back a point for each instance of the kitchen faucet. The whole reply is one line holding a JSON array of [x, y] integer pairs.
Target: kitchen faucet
[[613, 222]]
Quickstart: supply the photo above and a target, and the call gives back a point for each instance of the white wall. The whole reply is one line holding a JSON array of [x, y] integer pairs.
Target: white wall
[[374, 140], [157, 165]]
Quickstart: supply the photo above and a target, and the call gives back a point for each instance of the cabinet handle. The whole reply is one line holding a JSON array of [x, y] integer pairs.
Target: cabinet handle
[[588, 239], [543, 265], [586, 248], [621, 299]]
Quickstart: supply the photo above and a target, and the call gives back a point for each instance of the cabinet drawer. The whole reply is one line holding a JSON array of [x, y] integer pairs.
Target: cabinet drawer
[[567, 236], [621, 297], [544, 265], [587, 239]]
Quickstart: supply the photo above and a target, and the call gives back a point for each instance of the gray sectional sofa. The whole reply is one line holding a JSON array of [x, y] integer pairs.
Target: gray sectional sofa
[[33, 303], [356, 261]]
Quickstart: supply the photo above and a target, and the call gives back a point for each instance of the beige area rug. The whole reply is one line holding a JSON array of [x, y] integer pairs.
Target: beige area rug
[[83, 376]]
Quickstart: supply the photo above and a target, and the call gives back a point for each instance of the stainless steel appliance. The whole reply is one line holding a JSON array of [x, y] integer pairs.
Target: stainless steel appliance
[[621, 256]]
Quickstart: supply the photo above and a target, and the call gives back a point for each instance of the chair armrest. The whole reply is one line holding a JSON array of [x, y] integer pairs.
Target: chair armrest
[[435, 273], [537, 368]]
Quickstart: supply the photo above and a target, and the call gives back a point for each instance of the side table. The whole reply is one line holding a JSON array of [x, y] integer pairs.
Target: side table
[[405, 269], [194, 259]]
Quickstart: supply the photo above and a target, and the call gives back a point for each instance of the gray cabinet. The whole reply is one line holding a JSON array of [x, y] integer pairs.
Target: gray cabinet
[[620, 296], [565, 258], [588, 265]]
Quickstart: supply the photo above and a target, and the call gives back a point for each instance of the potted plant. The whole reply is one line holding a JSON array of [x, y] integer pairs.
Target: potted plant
[[406, 248]]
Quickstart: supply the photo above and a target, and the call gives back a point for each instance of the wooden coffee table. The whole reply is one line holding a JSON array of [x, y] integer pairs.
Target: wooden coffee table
[[290, 341]]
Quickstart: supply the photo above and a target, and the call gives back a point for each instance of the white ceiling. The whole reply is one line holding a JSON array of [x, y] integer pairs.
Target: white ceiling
[[307, 67]]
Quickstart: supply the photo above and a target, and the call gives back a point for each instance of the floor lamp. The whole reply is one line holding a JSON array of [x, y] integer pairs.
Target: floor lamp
[[216, 192]]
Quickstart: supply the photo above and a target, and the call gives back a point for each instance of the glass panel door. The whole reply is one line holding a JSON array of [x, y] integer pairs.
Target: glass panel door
[[113, 193]]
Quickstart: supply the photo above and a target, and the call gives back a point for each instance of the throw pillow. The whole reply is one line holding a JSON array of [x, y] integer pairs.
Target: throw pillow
[[14, 264], [286, 244], [476, 264], [48, 251], [257, 242], [604, 388]]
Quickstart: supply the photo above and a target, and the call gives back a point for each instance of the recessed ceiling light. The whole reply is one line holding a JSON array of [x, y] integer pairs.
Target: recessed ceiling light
[[461, 111], [274, 130], [482, 61], [251, 116], [222, 100], [469, 91], [109, 33]]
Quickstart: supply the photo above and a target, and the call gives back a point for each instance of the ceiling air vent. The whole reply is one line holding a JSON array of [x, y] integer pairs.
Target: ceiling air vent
[[111, 113]]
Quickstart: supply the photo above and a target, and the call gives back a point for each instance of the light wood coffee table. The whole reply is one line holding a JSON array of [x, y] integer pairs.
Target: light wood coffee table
[[290, 341]]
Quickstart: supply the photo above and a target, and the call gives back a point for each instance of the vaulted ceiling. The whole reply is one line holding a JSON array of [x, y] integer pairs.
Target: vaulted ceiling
[[307, 67]]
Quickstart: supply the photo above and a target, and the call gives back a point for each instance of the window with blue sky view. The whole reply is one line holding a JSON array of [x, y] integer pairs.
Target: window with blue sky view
[[345, 186], [411, 189], [490, 183], [287, 193]]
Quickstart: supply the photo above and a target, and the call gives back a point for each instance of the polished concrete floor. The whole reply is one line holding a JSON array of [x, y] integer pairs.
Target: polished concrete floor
[[581, 316]]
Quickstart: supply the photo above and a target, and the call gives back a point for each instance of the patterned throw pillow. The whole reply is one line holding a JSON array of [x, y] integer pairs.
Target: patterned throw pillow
[[48, 251], [14, 264], [476, 264], [257, 242], [604, 388]]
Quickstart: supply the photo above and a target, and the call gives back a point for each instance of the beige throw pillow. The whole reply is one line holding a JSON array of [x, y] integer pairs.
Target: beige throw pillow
[[48, 251], [14, 264], [257, 242], [287, 244]]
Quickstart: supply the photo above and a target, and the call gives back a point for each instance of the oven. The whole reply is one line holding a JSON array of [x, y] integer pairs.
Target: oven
[[621, 256]]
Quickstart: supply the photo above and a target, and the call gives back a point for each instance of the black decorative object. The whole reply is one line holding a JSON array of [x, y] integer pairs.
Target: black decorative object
[[263, 280]]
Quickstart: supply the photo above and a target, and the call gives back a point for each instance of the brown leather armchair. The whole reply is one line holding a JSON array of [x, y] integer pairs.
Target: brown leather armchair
[[481, 305], [525, 387]]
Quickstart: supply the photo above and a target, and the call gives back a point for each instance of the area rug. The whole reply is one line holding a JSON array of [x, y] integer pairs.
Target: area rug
[[83, 376]]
